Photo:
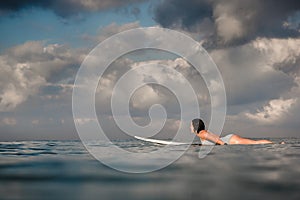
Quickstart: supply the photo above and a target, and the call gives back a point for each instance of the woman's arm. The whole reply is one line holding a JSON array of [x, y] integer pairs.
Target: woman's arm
[[205, 135]]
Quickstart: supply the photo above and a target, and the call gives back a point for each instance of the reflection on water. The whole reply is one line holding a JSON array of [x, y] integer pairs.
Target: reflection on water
[[65, 170]]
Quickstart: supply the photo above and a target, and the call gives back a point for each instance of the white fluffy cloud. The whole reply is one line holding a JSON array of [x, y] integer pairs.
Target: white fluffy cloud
[[281, 54], [27, 67], [9, 121], [262, 84], [22, 83], [148, 95], [274, 111]]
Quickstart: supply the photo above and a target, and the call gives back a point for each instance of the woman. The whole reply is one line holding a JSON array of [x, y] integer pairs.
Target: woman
[[198, 127]]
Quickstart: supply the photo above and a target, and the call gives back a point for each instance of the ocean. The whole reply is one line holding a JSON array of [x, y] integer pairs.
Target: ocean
[[65, 170]]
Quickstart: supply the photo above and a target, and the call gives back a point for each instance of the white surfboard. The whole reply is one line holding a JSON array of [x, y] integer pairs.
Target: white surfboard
[[160, 141]]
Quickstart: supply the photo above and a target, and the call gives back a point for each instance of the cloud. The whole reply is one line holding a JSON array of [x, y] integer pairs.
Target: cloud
[[65, 8], [262, 85], [22, 83], [281, 54], [27, 67], [172, 13], [261, 78], [283, 111], [48, 70], [265, 67], [9, 121], [274, 111], [111, 29], [35, 122], [257, 75], [149, 94], [231, 22], [82, 121]]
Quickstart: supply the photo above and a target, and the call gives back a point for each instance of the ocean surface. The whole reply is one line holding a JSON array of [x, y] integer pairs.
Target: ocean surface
[[65, 170]]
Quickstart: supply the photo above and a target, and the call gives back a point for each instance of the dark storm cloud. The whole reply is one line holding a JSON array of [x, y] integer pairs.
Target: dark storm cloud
[[233, 21], [63, 8], [184, 13]]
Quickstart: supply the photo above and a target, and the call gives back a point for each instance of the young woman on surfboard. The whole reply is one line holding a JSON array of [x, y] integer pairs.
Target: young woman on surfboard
[[198, 127]]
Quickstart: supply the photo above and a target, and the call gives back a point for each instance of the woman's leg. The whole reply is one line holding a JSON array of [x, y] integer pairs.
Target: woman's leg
[[236, 139]]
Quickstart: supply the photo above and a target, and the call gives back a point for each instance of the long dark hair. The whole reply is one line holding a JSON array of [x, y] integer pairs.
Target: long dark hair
[[198, 125]]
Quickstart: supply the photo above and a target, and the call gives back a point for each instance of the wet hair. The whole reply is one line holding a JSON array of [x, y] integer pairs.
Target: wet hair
[[198, 125]]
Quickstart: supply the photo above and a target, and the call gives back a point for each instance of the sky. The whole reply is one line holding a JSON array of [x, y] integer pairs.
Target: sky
[[254, 43]]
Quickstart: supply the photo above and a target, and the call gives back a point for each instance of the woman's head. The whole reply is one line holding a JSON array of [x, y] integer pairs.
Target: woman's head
[[197, 125]]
